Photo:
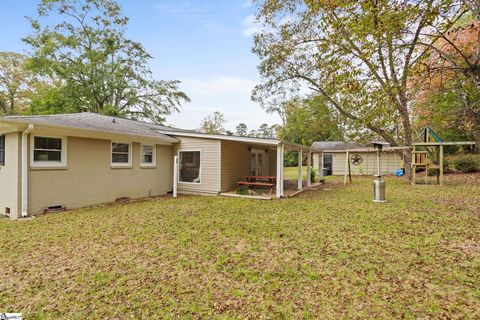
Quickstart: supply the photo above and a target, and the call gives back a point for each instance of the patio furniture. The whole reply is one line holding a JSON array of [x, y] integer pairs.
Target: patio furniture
[[270, 179], [250, 184]]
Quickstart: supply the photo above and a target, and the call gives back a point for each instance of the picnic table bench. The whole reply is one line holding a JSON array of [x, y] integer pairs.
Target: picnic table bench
[[261, 178], [266, 185]]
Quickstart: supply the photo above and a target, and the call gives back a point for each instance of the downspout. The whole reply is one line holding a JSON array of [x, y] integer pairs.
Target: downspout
[[25, 170]]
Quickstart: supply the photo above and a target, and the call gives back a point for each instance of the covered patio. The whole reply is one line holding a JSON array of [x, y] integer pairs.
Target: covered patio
[[267, 171], [231, 164]]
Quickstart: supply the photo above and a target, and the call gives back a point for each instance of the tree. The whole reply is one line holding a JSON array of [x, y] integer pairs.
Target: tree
[[14, 81], [100, 70], [213, 123], [265, 131], [453, 111], [241, 130], [311, 120], [357, 54], [448, 82], [50, 98]]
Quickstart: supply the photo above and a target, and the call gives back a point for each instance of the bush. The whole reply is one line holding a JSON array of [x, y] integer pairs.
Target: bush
[[290, 159], [464, 162], [242, 191]]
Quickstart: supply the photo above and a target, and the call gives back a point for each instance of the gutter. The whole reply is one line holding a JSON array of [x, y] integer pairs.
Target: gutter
[[25, 169]]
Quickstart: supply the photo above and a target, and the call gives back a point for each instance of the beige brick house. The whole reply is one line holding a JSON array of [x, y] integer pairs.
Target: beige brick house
[[82, 159]]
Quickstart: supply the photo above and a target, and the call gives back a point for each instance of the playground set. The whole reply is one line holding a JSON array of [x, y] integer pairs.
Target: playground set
[[427, 155]]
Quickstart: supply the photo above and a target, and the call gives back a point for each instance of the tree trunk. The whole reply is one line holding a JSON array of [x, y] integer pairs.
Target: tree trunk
[[407, 131], [11, 103], [476, 128], [477, 140]]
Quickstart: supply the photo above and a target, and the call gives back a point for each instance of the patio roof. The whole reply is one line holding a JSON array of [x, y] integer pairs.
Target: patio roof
[[273, 142]]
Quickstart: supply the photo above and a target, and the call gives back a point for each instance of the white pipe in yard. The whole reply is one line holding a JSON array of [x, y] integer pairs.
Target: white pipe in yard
[[25, 170], [279, 186], [175, 176]]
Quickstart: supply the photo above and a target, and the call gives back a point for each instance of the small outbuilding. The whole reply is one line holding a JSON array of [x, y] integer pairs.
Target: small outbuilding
[[329, 158]]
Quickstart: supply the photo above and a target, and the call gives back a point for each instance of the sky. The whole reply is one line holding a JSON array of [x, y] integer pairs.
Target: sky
[[206, 44]]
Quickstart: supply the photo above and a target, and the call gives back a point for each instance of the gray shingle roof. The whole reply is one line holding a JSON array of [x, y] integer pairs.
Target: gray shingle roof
[[97, 122], [336, 145]]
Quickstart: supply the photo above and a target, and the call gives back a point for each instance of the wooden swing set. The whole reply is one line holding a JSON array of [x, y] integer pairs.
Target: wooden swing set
[[430, 144]]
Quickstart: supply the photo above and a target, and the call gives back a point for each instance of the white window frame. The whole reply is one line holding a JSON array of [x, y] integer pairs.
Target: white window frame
[[152, 164], [199, 170], [119, 164], [48, 164]]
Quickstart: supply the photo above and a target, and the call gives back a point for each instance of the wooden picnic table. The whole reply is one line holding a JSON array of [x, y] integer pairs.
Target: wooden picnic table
[[249, 184], [261, 178]]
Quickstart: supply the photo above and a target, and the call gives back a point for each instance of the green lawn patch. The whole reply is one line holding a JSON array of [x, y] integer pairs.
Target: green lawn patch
[[324, 254]]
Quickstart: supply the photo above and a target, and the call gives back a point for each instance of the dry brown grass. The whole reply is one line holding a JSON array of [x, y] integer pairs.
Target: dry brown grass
[[324, 254]]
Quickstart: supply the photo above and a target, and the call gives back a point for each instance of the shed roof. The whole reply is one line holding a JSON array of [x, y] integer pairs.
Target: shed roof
[[336, 145], [97, 122]]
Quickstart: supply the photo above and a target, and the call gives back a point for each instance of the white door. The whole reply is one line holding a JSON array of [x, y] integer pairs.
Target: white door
[[258, 163]]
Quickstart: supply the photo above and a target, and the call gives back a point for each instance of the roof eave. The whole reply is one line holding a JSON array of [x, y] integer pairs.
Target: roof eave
[[166, 139]]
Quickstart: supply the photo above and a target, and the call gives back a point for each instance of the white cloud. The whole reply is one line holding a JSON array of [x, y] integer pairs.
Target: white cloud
[[222, 85], [250, 26], [227, 94], [248, 3]]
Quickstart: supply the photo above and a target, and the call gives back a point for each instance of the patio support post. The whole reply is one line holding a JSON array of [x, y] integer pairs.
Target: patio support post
[[279, 186], [300, 160], [320, 165], [309, 169], [175, 176]]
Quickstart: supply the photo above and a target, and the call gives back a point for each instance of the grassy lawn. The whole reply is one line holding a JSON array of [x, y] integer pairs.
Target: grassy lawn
[[324, 254], [291, 173]]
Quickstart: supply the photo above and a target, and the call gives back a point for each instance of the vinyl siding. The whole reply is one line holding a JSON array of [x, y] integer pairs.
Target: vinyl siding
[[390, 161], [272, 162], [316, 162], [89, 178], [209, 165], [10, 176], [236, 162]]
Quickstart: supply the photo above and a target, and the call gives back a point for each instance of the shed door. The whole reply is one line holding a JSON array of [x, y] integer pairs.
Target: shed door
[[328, 164]]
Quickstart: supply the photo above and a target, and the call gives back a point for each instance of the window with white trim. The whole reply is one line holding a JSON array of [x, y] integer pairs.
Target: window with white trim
[[190, 162], [148, 155], [48, 151], [121, 154]]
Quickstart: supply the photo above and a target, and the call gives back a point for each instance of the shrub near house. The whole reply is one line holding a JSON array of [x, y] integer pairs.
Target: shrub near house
[[464, 163]]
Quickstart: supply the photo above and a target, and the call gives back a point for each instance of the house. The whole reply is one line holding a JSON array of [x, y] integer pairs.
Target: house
[[76, 160], [331, 155]]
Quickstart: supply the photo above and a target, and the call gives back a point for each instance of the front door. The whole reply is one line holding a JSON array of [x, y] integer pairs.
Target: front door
[[258, 163]]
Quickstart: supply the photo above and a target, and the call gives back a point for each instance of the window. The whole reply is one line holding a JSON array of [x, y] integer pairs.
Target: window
[[189, 166], [48, 151], [2, 150], [148, 155], [121, 154]]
